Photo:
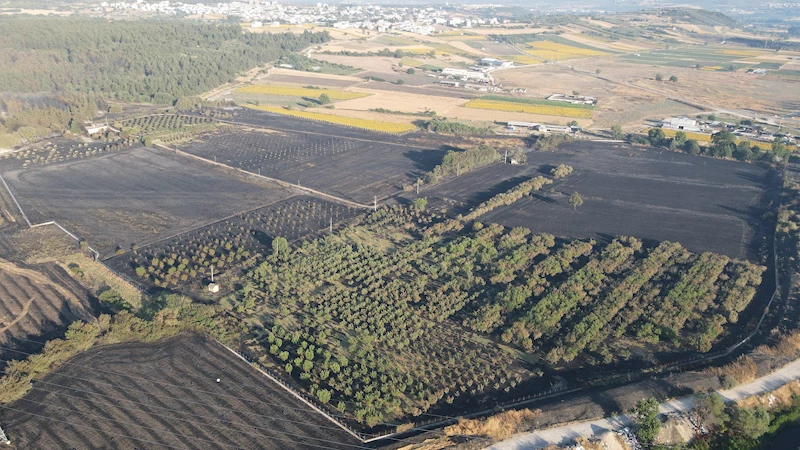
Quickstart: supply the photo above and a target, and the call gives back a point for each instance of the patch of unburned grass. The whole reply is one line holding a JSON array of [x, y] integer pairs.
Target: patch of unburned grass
[[498, 427], [295, 91], [373, 125]]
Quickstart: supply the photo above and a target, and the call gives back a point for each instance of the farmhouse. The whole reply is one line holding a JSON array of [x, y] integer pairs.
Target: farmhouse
[[449, 83], [93, 128], [494, 62], [681, 123], [574, 99], [462, 73], [529, 125]]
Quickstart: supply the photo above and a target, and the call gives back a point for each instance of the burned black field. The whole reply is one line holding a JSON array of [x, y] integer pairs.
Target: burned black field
[[165, 395], [135, 196], [705, 204], [330, 160]]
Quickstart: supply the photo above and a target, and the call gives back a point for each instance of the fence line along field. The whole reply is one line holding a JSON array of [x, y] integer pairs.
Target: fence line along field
[[135, 196], [165, 395], [372, 125], [355, 169], [296, 91]]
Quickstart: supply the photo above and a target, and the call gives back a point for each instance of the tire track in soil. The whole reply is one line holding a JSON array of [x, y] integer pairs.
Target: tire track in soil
[[19, 317]]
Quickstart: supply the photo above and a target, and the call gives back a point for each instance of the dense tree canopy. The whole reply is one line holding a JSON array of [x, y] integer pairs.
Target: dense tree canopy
[[133, 60]]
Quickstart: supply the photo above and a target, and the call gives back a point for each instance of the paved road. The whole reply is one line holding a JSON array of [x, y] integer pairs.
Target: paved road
[[567, 433]]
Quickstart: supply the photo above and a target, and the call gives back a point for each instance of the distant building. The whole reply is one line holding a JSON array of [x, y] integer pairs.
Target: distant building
[[530, 125], [574, 99], [494, 62], [462, 73], [94, 128], [681, 123], [449, 83], [213, 288], [256, 24]]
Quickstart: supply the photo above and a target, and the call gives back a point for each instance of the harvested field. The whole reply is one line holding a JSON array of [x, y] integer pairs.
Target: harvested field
[[165, 395], [705, 204], [313, 81], [549, 110], [401, 101], [356, 169], [135, 196], [34, 302], [333, 94]]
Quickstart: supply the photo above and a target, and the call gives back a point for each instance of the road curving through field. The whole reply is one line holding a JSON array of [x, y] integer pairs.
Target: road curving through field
[[567, 433]]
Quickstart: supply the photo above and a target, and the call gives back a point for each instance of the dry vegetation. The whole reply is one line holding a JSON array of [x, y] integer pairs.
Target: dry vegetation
[[497, 427]]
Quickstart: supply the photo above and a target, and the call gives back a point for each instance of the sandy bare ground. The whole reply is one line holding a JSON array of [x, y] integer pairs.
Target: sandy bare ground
[[400, 101], [475, 114], [376, 63]]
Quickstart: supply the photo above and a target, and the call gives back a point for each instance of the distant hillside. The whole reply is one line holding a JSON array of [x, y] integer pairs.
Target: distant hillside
[[699, 17]]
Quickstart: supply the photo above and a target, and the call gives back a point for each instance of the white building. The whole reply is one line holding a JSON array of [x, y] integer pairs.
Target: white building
[[462, 73], [681, 123]]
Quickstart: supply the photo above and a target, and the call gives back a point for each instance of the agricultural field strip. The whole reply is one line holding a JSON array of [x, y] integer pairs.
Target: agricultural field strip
[[372, 141], [274, 180]]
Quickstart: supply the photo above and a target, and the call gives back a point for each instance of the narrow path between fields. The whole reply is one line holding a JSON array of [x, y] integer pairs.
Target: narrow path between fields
[[567, 433], [21, 315]]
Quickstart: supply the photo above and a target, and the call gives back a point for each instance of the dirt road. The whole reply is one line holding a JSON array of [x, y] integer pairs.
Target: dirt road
[[567, 433]]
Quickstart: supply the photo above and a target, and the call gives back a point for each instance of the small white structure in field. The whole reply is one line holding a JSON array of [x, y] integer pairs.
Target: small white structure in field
[[256, 24], [213, 287], [218, 380]]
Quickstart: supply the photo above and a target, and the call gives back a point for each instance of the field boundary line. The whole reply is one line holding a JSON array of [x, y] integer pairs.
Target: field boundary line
[[24, 216], [274, 180], [291, 391]]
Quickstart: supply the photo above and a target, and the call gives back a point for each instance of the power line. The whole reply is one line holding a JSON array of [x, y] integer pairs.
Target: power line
[[148, 405]]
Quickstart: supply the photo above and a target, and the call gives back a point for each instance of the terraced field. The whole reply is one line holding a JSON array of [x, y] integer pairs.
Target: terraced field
[[165, 395], [35, 302]]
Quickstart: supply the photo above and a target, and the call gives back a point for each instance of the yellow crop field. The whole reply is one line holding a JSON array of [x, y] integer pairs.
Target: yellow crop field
[[739, 52], [524, 59], [547, 110], [373, 125], [553, 50], [699, 137], [296, 91]]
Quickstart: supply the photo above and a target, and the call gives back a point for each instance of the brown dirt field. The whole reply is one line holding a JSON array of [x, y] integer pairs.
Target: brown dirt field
[[375, 64], [303, 80], [289, 73], [369, 115], [164, 395], [504, 116], [400, 101]]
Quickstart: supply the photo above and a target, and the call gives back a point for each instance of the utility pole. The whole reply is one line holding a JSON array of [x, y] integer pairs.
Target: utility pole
[[505, 158], [375, 203], [331, 226], [212, 273], [418, 181]]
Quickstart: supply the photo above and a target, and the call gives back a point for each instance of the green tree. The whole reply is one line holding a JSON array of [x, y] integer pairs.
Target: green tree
[[659, 77], [751, 423], [673, 79], [598, 71], [656, 136], [691, 146], [645, 416], [709, 409], [420, 203], [411, 71], [575, 200], [280, 246], [616, 132], [324, 395], [324, 99], [680, 139], [401, 82]]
